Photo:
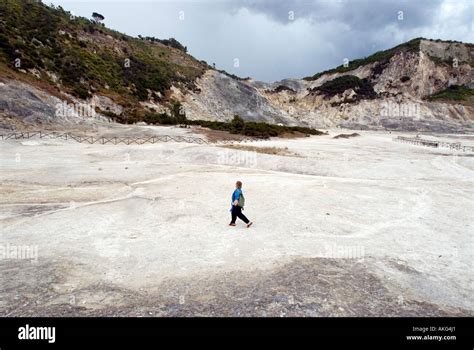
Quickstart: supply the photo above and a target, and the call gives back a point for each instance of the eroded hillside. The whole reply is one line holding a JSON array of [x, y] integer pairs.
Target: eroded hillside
[[48, 57]]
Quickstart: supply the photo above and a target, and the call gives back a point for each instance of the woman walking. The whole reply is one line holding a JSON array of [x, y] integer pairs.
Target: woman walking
[[238, 202]]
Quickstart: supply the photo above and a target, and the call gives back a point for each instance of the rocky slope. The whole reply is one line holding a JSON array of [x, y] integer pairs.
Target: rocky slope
[[401, 84], [48, 58]]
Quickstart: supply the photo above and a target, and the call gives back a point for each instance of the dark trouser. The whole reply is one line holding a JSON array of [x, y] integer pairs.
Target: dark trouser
[[237, 212]]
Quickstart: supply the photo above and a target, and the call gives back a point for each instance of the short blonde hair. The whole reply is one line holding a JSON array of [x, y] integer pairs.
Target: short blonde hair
[[239, 184]]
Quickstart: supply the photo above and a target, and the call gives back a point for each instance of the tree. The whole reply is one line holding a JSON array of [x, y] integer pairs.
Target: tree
[[178, 112], [237, 124], [97, 17]]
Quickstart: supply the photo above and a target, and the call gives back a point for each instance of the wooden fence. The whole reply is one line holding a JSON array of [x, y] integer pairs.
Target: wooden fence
[[433, 143], [116, 140]]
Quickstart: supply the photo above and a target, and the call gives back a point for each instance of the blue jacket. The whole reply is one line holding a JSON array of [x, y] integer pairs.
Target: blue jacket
[[236, 195]]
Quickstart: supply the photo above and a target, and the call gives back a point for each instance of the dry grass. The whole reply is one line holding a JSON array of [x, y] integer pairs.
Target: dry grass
[[216, 135], [279, 151], [294, 135]]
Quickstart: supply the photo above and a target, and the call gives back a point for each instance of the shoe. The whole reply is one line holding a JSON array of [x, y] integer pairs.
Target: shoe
[[249, 224], [231, 224]]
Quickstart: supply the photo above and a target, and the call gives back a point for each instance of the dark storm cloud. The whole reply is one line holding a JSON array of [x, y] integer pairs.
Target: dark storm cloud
[[358, 14]]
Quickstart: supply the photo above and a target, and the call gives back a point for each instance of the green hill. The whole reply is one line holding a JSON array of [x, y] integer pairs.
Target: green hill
[[87, 57]]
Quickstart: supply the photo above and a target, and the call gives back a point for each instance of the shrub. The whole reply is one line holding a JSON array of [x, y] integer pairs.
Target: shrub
[[338, 85], [81, 92], [453, 92], [237, 125], [160, 118], [254, 129], [178, 112]]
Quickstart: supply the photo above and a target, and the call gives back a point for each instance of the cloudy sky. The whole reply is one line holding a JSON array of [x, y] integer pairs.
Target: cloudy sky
[[277, 39]]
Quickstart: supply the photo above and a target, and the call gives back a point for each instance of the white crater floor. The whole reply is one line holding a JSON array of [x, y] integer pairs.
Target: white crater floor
[[136, 216]]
